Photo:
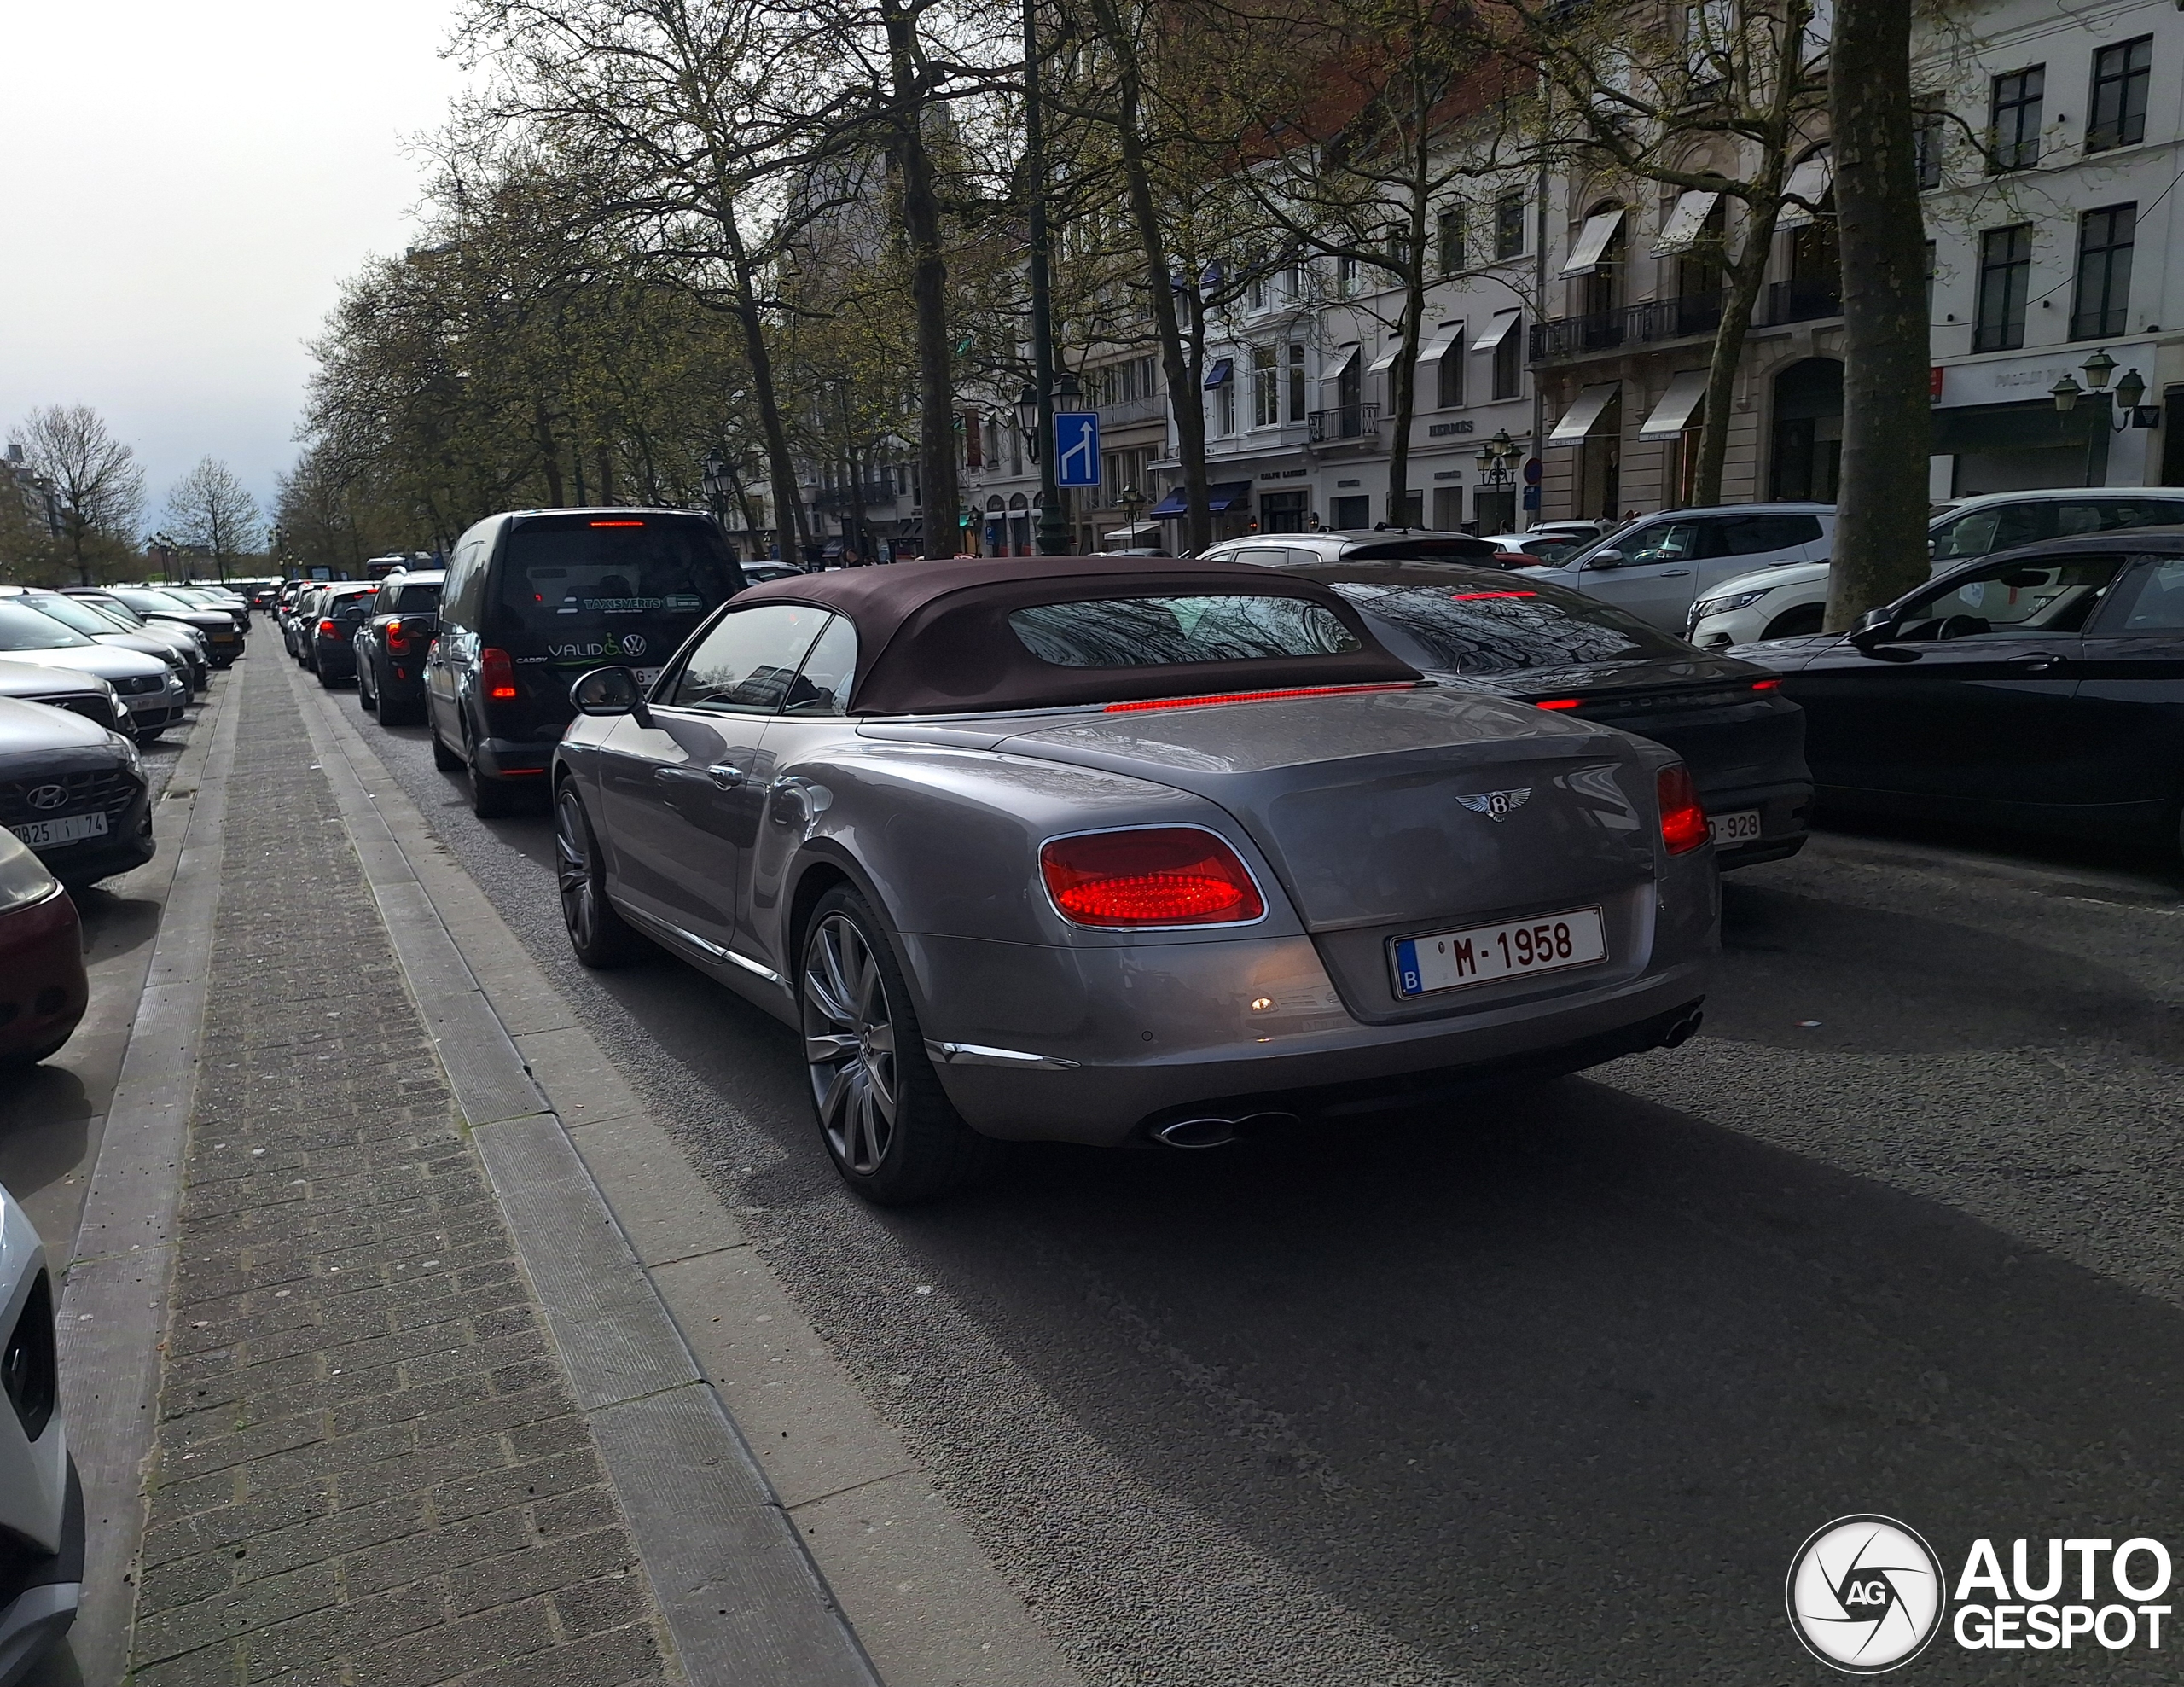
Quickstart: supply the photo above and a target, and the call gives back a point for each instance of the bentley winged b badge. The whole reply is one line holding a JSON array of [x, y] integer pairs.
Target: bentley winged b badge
[[1495, 804]]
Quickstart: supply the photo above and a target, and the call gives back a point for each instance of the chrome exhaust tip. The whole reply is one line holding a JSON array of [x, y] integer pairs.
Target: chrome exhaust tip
[[1684, 1029], [1197, 1133]]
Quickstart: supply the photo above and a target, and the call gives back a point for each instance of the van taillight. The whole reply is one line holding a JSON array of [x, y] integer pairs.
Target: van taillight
[[397, 643], [1149, 876], [496, 674], [1683, 821], [328, 630]]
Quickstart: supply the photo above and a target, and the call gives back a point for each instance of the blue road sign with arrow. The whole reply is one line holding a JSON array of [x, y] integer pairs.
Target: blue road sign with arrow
[[1076, 448]]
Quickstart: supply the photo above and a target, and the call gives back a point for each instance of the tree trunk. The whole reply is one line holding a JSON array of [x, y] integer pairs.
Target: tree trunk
[[1177, 367], [1746, 277], [1880, 520], [942, 497], [789, 525], [1402, 390]]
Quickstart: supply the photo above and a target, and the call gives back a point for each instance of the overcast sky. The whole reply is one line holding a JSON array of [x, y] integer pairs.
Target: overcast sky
[[186, 187]]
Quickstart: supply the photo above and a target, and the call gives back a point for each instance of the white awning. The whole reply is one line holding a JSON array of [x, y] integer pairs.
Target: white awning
[[1443, 337], [1809, 181], [1680, 233], [1343, 359], [1677, 405], [1591, 242], [1497, 330], [1584, 415], [1387, 359], [1144, 531]]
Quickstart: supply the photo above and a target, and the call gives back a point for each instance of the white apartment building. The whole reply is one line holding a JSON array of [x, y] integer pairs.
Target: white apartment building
[[2050, 207]]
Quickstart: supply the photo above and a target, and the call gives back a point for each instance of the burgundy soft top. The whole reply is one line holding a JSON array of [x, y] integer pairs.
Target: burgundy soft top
[[934, 637]]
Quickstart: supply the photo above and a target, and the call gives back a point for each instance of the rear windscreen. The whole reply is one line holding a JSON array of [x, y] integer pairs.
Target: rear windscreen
[[562, 573], [1482, 630], [414, 599], [1134, 633]]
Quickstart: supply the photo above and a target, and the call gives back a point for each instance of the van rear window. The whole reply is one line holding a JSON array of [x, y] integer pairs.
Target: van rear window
[[560, 573]]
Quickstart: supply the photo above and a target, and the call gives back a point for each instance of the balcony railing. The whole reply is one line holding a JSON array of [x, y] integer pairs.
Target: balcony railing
[[832, 499], [1344, 422], [1803, 301], [1664, 319]]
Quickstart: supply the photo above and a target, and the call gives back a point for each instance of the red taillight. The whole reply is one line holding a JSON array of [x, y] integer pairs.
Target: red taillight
[[1560, 703], [327, 630], [1475, 596], [1214, 697], [1765, 684], [1150, 875], [497, 675], [618, 524], [1683, 821], [397, 643]]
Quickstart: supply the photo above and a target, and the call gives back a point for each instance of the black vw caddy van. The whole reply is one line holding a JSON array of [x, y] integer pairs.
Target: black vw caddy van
[[534, 597]]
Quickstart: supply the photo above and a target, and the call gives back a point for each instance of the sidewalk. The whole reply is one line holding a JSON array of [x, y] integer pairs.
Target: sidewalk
[[422, 1418], [369, 1464]]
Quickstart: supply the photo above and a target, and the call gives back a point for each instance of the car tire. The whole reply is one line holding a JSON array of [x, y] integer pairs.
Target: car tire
[[150, 735], [889, 1127], [26, 1057], [1798, 623], [367, 700], [490, 798], [397, 712], [326, 681], [598, 935], [442, 758]]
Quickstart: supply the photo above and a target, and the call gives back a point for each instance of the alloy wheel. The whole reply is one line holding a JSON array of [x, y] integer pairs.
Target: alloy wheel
[[849, 1043], [573, 860]]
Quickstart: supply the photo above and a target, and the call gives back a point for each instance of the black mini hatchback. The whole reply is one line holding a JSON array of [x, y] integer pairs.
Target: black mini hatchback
[[532, 599]]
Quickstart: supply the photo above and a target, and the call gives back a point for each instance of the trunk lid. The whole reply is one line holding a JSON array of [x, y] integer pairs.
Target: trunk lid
[[1358, 803]]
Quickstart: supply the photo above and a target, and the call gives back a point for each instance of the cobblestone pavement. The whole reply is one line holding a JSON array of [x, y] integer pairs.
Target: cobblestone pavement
[[369, 1467]]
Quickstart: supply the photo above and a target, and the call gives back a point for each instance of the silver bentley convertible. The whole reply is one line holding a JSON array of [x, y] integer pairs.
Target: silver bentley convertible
[[1111, 849]]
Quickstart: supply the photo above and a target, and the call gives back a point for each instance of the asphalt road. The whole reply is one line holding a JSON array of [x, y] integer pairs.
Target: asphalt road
[[1549, 1387]]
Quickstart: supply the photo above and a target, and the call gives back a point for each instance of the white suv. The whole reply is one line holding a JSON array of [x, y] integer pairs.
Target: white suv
[[1789, 602], [41, 1501], [1656, 566]]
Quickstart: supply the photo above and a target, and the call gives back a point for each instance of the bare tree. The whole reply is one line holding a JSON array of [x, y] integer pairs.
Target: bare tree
[[97, 482], [210, 510], [1879, 549]]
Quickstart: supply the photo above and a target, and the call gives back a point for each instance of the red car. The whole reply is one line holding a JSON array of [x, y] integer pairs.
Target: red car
[[42, 989]]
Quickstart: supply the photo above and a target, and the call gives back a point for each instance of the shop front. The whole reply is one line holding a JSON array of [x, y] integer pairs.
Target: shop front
[[1997, 428]]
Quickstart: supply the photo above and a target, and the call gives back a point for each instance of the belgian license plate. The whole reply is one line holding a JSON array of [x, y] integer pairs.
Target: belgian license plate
[[645, 677], [1548, 943], [1740, 826], [68, 829]]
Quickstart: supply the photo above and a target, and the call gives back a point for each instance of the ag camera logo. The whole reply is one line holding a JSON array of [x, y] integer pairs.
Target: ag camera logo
[[1865, 1594]]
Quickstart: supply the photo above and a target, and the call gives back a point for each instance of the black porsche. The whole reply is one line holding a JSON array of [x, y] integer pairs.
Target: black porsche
[[1477, 626]]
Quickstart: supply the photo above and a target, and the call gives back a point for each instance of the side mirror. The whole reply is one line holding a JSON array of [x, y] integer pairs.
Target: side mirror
[[1605, 559], [1875, 626], [610, 691]]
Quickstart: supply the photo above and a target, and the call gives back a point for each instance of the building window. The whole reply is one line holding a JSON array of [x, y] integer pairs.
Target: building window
[[1932, 264], [1345, 276], [2014, 120], [1449, 376], [1224, 408], [1266, 387], [1450, 231], [2103, 298], [2005, 270], [1509, 362], [2121, 75], [1509, 226], [1927, 147], [1296, 383]]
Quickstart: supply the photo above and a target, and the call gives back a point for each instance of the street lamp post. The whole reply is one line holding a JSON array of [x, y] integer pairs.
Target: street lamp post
[[1131, 498], [1497, 459]]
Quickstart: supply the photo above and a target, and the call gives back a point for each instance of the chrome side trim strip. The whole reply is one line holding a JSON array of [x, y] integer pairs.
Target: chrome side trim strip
[[970, 1054], [711, 951]]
